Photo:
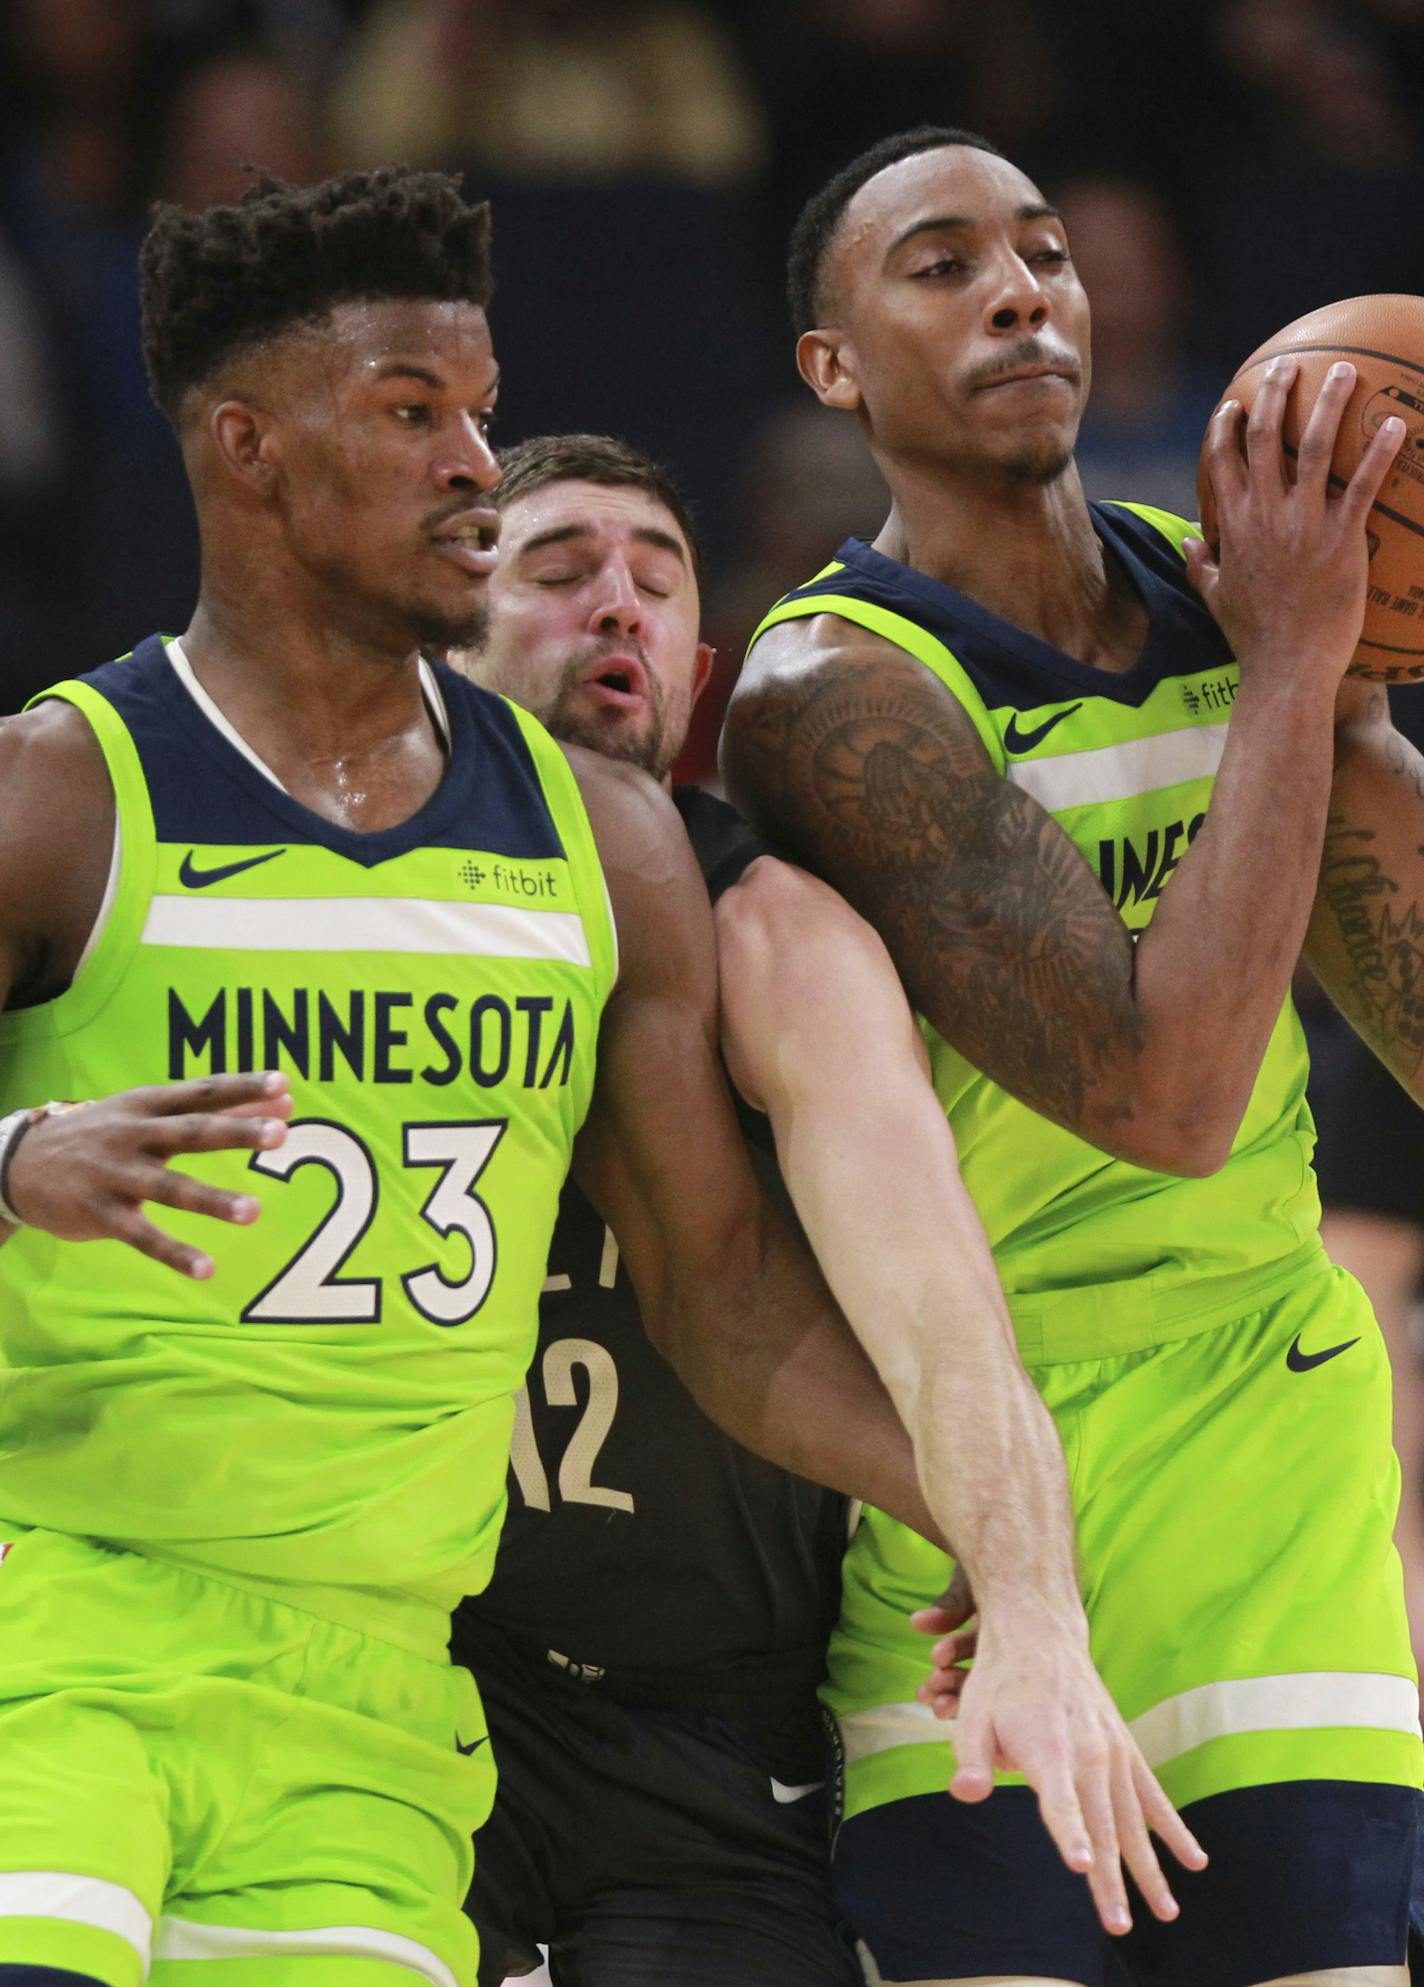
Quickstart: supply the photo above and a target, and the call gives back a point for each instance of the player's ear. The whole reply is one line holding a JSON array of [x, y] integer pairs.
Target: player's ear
[[702, 668], [242, 436], [826, 362]]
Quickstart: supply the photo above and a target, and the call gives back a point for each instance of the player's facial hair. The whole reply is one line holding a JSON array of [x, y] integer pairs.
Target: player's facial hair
[[646, 748], [446, 631], [1039, 470]]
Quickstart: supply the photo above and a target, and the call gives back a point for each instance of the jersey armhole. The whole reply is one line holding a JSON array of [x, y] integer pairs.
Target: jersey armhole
[[565, 801], [905, 634], [123, 910], [1176, 530]]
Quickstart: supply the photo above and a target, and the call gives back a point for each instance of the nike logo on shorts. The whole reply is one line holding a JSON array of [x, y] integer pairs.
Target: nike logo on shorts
[[473, 1746], [784, 1795], [1024, 741], [193, 878], [1301, 1362]]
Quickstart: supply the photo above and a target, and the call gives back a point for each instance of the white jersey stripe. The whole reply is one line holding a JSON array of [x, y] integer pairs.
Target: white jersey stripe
[[185, 1938], [1118, 772], [109, 1907], [1311, 1700], [365, 924]]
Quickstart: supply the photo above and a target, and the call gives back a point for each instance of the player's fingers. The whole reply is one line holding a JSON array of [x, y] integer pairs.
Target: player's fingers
[[1265, 458], [1162, 1817], [943, 1692], [973, 1758], [1370, 472], [212, 1093], [933, 1621], [1105, 1876], [192, 1196], [1202, 568], [1137, 1850], [280, 1106], [1317, 442], [1225, 464], [1062, 1811], [139, 1233], [215, 1132]]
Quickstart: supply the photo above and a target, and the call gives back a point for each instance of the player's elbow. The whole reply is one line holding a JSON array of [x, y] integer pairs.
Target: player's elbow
[[1191, 1142]]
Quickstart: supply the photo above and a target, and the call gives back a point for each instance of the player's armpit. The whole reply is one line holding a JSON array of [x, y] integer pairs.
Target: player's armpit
[[726, 1291], [1366, 938]]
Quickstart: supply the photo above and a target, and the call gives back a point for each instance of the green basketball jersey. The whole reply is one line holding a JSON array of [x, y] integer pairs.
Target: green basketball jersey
[[328, 1418], [1097, 1255]]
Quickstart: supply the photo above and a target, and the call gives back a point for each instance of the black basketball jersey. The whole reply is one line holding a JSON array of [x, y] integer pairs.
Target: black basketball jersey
[[644, 1550]]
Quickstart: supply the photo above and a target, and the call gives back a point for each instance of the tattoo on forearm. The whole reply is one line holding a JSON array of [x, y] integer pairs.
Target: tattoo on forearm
[[1004, 939], [1382, 931]]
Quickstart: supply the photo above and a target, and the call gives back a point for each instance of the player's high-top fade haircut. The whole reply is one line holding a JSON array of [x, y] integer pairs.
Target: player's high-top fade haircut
[[546, 459], [819, 219], [214, 282]]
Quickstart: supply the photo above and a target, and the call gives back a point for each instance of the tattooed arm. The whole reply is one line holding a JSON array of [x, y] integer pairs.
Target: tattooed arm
[[1366, 937], [869, 769], [863, 765]]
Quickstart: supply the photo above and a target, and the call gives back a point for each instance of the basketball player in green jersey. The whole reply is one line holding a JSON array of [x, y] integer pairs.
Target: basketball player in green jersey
[[236, 1509], [1002, 731]]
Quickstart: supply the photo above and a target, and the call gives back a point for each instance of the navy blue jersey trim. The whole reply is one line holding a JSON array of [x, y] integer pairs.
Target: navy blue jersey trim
[[1014, 670], [203, 790]]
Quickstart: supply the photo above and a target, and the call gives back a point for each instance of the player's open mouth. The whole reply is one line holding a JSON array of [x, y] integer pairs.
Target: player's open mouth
[[619, 681], [472, 541]]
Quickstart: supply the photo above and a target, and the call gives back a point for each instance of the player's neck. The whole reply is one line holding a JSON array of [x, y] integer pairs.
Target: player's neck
[[340, 720], [1027, 552]]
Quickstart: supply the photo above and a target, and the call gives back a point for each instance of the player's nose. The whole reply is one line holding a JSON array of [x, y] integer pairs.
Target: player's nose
[[466, 461], [617, 605], [1016, 299]]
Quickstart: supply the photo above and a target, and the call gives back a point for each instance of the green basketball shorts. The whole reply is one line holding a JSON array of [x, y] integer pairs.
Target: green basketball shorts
[[1235, 1492], [190, 1771]]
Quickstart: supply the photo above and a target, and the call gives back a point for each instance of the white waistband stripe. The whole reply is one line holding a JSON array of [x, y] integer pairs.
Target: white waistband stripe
[[365, 924], [1312, 1700], [1117, 772], [182, 1938], [109, 1907]]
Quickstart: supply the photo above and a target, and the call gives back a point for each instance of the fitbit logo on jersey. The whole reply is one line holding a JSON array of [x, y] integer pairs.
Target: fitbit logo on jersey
[[376, 1037]]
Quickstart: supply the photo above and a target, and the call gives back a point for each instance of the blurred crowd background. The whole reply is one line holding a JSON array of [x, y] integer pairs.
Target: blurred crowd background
[[1224, 166]]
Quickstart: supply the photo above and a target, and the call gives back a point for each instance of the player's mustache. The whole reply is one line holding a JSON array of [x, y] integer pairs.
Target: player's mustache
[[1028, 352]]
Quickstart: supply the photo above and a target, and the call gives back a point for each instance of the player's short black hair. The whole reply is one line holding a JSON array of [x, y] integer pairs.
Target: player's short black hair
[[818, 220], [216, 281], [546, 459]]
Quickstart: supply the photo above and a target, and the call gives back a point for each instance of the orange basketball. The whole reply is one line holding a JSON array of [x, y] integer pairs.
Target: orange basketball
[[1383, 338]]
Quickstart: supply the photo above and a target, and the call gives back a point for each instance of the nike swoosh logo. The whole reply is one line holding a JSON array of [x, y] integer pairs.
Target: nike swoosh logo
[[473, 1746], [193, 878], [784, 1795], [1024, 741], [1301, 1362]]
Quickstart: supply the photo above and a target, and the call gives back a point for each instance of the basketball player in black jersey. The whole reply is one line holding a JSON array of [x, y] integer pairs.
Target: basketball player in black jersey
[[658, 1615]]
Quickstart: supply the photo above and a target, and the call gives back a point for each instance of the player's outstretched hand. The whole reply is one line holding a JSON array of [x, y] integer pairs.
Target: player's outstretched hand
[[1033, 1703], [1288, 584], [85, 1174]]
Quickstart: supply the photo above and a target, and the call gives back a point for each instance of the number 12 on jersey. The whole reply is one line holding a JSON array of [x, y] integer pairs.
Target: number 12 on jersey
[[576, 1484]]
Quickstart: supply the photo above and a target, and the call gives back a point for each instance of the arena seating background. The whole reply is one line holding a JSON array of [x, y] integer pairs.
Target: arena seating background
[[1224, 165]]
